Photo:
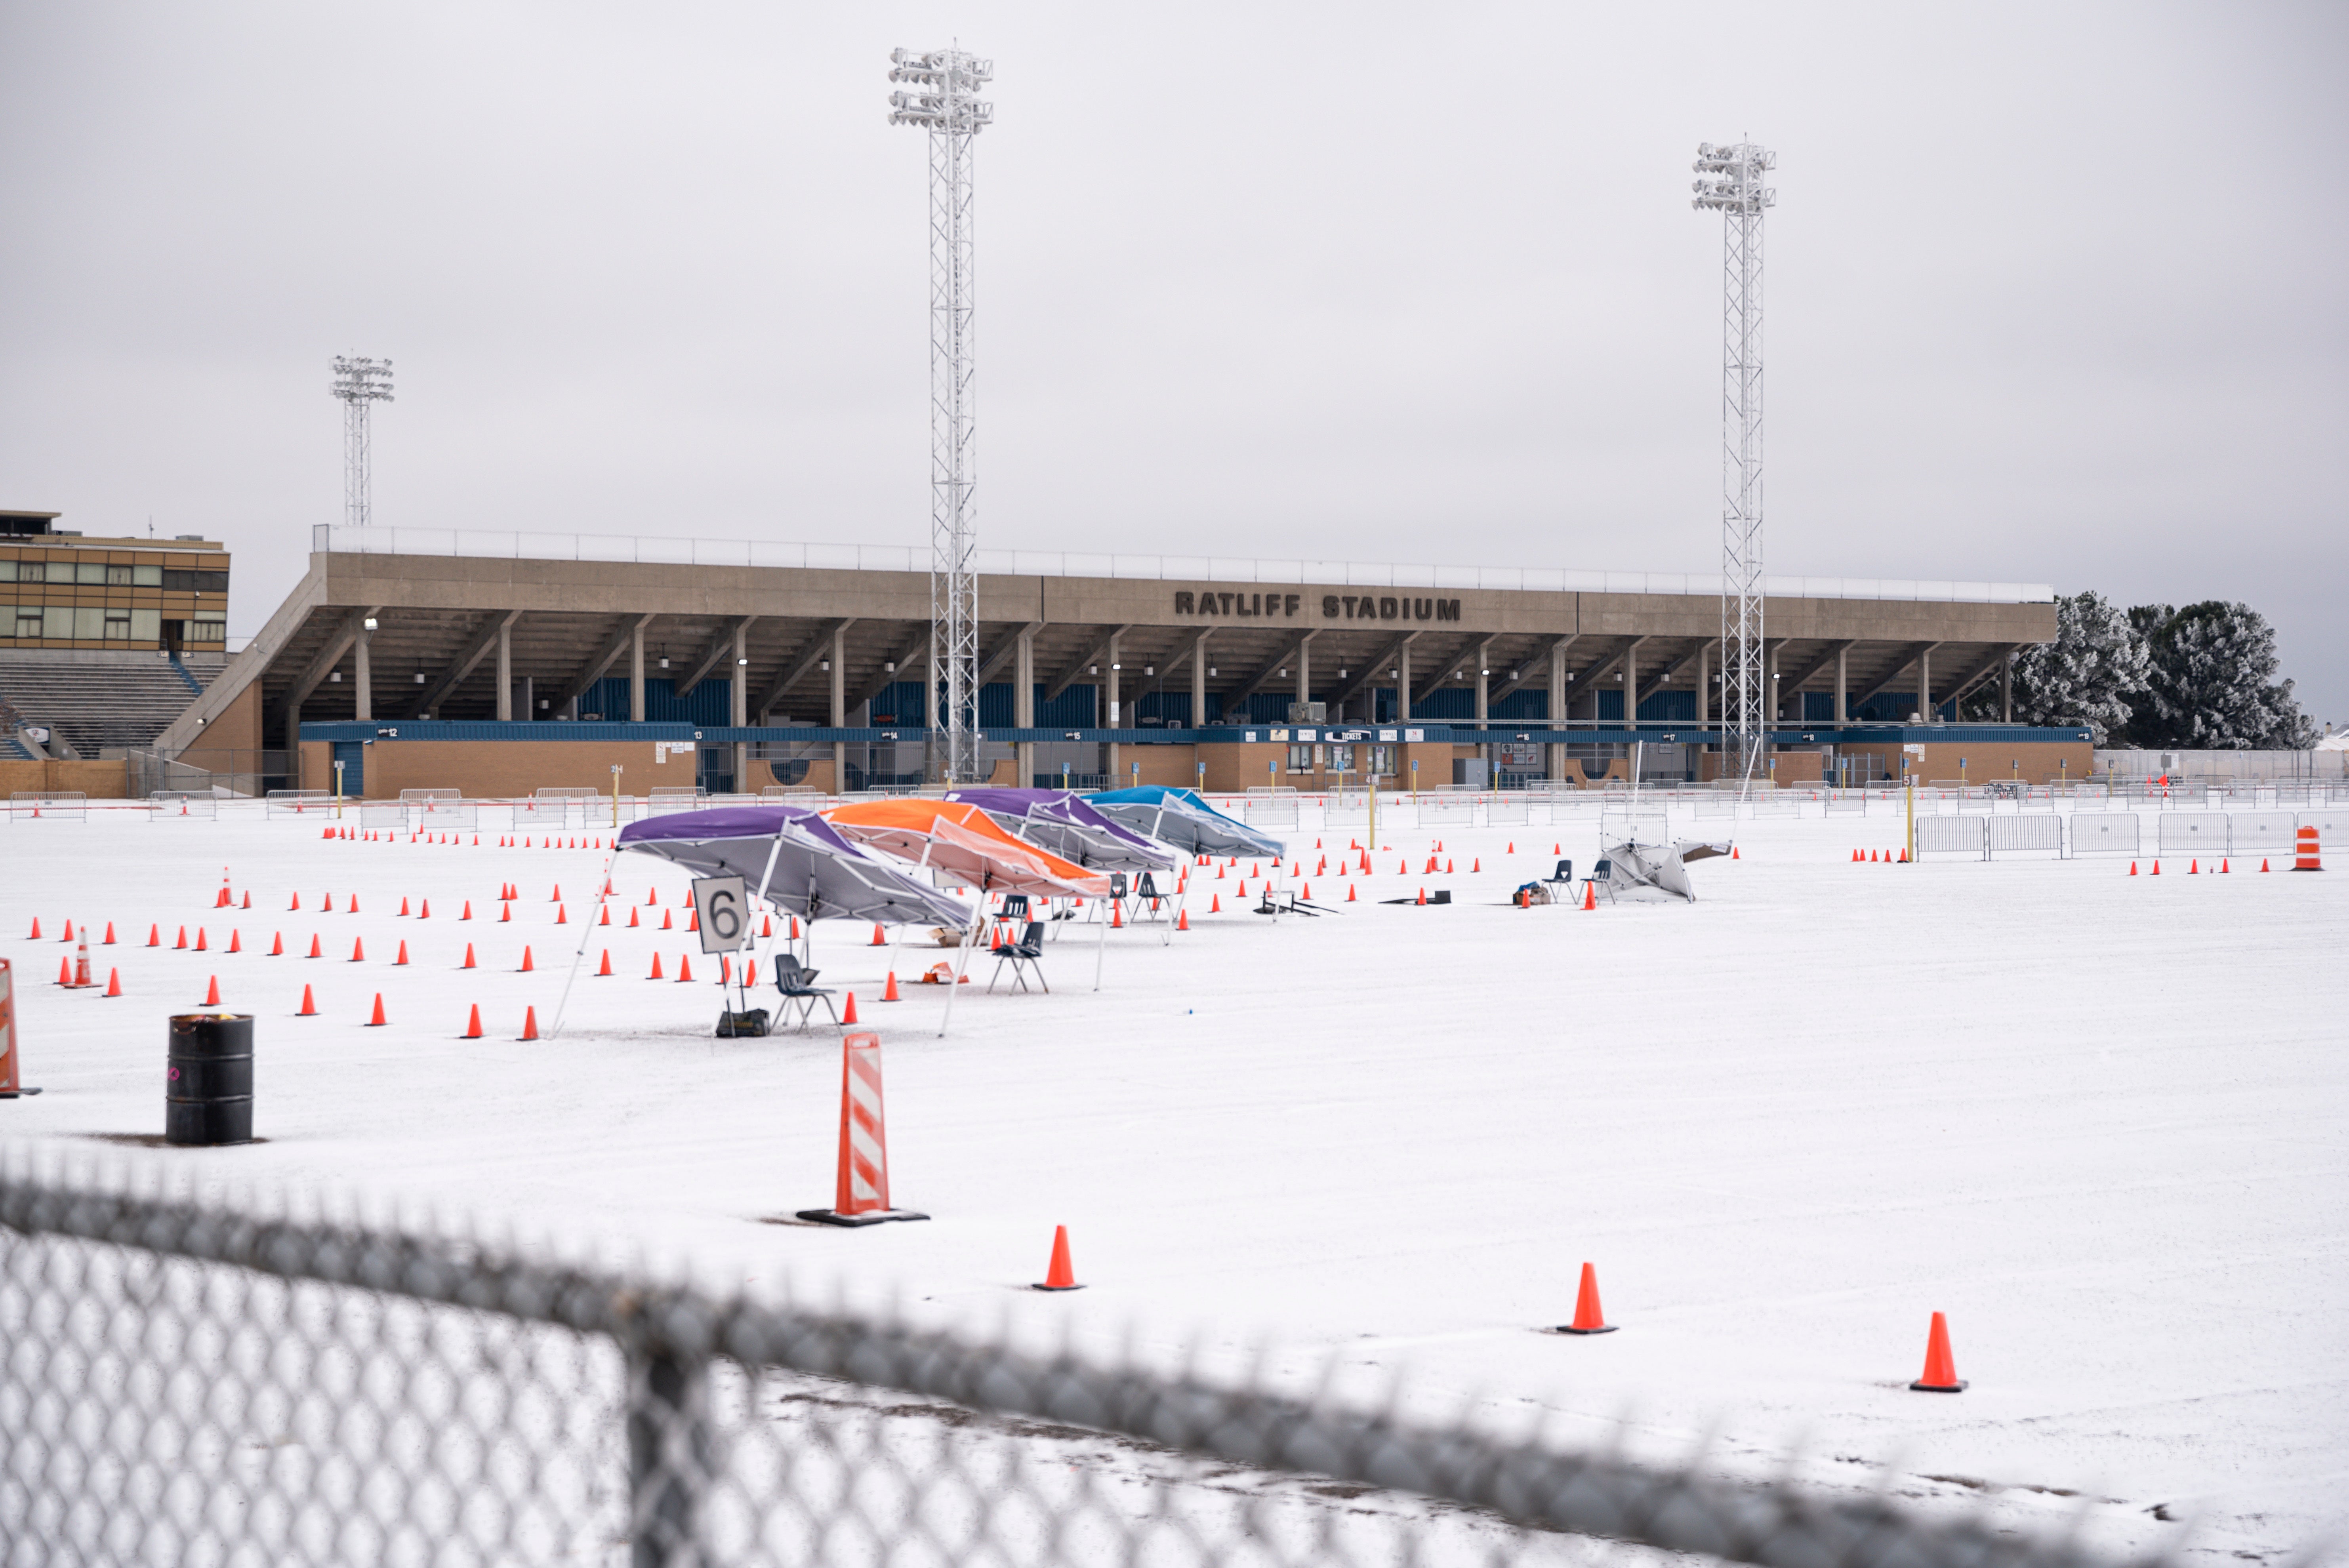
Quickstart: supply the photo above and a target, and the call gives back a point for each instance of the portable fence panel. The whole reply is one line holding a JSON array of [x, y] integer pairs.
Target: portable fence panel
[[665, 798], [443, 816], [1620, 827], [2261, 833], [182, 1384], [383, 814], [1778, 806], [2190, 833], [1716, 805], [299, 802], [1508, 811], [1435, 812], [48, 805], [2105, 833], [181, 805], [2022, 834], [542, 815], [1953, 835], [1847, 807], [1260, 813], [2332, 826]]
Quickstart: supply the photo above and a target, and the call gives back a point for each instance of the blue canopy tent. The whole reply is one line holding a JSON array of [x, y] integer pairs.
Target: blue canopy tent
[[1178, 817]]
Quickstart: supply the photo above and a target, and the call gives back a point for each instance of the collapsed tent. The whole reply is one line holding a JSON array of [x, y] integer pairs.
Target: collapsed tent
[[1061, 822], [806, 866], [962, 842], [1178, 817], [1659, 866]]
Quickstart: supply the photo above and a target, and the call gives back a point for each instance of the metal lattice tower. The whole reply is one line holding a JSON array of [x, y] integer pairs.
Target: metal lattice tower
[[1733, 187], [358, 383], [945, 104]]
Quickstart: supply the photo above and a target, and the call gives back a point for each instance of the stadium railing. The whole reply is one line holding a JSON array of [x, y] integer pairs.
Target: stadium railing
[[201, 1384]]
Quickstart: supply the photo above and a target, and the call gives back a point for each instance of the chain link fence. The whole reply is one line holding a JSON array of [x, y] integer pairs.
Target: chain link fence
[[189, 1385]]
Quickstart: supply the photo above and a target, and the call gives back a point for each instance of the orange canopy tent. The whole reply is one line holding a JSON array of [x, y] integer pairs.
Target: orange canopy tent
[[961, 841]]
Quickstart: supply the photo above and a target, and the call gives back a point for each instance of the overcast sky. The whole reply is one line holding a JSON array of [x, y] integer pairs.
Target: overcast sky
[[2055, 293]]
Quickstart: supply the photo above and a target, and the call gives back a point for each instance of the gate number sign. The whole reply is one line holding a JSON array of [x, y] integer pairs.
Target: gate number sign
[[724, 908]]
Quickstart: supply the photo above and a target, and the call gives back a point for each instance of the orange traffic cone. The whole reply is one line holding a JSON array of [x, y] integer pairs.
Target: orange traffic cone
[[556, 897], [693, 918], [377, 1019], [889, 992], [424, 909], [657, 969], [1423, 895], [64, 973], [604, 915], [1474, 866], [469, 958], [1116, 916], [1589, 896], [665, 921], [201, 945], [878, 939], [37, 930], [114, 983], [315, 951], [248, 898], [109, 936], [526, 964], [181, 940], [309, 1005], [403, 957], [2156, 868], [1214, 903], [632, 917], [1588, 1318], [2132, 868], [605, 967], [684, 967], [211, 993], [1940, 1367], [530, 1023], [277, 945], [154, 934], [848, 1013], [2223, 868], [236, 941], [473, 1024], [1183, 921], [467, 913], [1061, 1275], [2194, 868], [2263, 865], [561, 915], [358, 951], [1349, 892], [403, 903]]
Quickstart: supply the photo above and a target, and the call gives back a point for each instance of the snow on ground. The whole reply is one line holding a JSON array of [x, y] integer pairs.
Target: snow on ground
[[2101, 1122]]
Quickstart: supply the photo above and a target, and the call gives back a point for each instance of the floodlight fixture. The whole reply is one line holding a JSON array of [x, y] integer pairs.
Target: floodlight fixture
[[358, 384]]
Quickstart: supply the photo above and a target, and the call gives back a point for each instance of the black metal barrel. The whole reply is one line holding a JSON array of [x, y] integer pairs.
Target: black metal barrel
[[209, 1098]]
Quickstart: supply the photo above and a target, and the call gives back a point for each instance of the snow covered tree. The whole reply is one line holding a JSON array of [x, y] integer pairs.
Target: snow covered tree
[[2092, 675], [2212, 685]]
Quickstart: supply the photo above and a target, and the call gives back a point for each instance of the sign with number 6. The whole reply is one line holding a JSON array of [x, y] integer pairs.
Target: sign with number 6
[[724, 907]]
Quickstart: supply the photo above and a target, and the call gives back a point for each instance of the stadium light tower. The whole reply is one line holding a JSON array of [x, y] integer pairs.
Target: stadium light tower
[[944, 103], [358, 383], [1733, 187]]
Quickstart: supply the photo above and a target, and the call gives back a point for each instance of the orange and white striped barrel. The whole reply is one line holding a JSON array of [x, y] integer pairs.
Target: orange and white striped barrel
[[863, 1138], [2305, 858]]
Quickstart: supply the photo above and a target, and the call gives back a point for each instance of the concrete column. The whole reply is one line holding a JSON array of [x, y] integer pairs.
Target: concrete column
[[363, 675], [1112, 716], [1305, 672], [529, 699], [1843, 688], [1023, 705], [636, 675], [1631, 688], [1200, 683], [1925, 685], [505, 673], [1704, 685], [837, 712], [1559, 691], [2006, 691], [738, 705], [1402, 686]]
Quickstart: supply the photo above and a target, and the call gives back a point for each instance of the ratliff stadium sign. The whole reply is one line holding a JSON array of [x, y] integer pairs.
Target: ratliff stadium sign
[[1334, 606]]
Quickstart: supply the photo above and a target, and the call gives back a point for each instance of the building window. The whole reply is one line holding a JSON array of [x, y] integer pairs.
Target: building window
[[202, 631], [118, 625], [1382, 760], [118, 577], [147, 627], [32, 572], [1341, 759], [57, 623], [28, 620], [1300, 760], [147, 577], [90, 573], [89, 623], [8, 569]]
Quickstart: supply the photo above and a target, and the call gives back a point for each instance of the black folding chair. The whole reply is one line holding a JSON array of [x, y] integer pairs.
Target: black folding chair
[[1602, 876], [1023, 955], [797, 983], [1563, 874]]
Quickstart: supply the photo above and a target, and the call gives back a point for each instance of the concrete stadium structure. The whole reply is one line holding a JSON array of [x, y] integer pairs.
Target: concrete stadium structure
[[805, 663]]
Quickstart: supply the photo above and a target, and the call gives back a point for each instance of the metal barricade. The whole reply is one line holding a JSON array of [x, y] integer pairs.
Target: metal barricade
[[1447, 811], [383, 814], [47, 805], [1619, 825], [1509, 810], [299, 802], [2331, 824], [183, 805], [2105, 833], [2024, 833], [665, 798], [1953, 835], [2261, 833], [2190, 833]]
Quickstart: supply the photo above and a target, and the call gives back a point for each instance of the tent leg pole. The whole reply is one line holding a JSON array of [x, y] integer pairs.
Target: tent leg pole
[[587, 933], [961, 963]]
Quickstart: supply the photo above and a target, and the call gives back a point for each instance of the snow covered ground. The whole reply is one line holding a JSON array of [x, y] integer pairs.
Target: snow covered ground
[[2101, 1122]]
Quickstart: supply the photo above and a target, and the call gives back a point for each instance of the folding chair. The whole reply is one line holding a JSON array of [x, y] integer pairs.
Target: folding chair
[[1013, 913], [1146, 893], [797, 982], [1602, 876], [1023, 955], [1565, 873]]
